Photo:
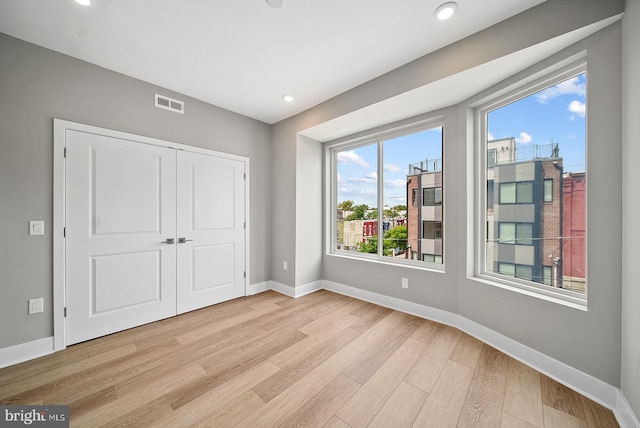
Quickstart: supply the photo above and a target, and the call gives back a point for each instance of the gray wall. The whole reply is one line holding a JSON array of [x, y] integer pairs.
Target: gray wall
[[589, 341], [630, 374], [37, 85]]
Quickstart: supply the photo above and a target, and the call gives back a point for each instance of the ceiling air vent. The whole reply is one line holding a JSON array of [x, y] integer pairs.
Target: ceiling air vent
[[169, 103]]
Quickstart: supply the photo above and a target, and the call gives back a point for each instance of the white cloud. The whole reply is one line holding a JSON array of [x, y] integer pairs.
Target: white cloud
[[571, 86], [351, 157], [396, 183], [389, 167], [371, 177], [578, 108], [524, 138], [490, 136]]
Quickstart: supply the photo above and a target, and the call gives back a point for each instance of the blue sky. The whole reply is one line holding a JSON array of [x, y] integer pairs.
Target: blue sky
[[556, 114]]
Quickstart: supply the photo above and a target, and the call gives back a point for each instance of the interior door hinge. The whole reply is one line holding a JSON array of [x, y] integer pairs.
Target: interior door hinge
[[245, 175], [245, 273], [64, 232], [65, 152], [65, 312]]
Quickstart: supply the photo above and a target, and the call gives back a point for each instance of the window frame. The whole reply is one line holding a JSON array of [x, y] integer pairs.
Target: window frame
[[378, 137], [479, 111]]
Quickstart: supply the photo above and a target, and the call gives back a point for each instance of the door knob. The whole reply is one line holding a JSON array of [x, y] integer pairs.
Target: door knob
[[183, 240], [168, 241]]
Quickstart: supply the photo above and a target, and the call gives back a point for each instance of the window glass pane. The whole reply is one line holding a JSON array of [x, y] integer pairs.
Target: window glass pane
[[507, 193], [412, 166], [507, 233], [535, 157], [507, 269], [524, 272], [524, 192], [548, 190], [356, 199], [524, 234]]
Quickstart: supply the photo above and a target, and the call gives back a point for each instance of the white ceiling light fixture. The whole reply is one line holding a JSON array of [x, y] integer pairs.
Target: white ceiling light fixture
[[287, 98], [84, 2], [445, 10], [276, 4]]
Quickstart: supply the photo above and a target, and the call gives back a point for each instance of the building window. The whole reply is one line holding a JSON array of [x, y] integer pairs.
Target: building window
[[516, 193], [432, 196], [548, 190], [432, 229], [380, 185], [516, 233], [532, 163], [515, 270], [432, 258]]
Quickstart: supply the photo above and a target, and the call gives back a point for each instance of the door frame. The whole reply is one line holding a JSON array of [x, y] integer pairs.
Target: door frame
[[60, 128]]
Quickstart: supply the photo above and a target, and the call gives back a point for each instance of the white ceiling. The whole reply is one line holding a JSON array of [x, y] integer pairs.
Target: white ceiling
[[243, 55]]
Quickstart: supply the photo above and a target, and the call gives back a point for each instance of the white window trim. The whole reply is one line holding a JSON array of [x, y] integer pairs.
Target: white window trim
[[363, 139], [519, 90]]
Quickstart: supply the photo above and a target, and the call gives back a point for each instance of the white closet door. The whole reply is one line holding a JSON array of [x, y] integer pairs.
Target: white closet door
[[211, 203], [120, 208]]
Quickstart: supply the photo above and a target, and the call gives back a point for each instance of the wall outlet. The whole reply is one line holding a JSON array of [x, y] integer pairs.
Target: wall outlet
[[284, 265], [405, 282], [36, 306]]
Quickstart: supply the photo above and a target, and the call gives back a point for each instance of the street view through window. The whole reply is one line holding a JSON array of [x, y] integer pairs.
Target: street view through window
[[536, 187], [392, 206]]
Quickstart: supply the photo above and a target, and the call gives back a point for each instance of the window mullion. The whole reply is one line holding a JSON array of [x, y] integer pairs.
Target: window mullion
[[380, 199]]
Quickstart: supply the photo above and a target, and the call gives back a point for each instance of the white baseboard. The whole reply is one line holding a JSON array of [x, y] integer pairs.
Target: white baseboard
[[295, 291], [624, 413], [257, 288], [26, 351]]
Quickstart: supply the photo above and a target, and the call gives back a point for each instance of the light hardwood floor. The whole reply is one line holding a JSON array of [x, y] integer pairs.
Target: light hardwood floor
[[322, 360]]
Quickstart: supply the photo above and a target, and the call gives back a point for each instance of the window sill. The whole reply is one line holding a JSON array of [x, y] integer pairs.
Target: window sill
[[411, 264], [551, 295]]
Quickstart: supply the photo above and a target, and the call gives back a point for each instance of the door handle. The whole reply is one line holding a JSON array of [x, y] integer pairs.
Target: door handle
[[168, 241], [183, 240]]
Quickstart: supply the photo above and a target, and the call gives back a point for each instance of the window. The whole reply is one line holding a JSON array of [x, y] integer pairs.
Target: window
[[382, 186], [516, 193], [433, 258], [518, 271], [532, 166], [432, 229], [516, 233], [548, 190], [432, 196]]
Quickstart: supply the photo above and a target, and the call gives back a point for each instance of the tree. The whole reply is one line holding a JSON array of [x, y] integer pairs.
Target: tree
[[358, 212], [390, 213], [400, 208], [370, 246], [395, 238], [345, 205]]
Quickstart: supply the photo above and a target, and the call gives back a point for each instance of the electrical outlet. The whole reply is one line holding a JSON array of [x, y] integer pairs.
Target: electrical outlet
[[405, 282], [36, 306], [284, 265]]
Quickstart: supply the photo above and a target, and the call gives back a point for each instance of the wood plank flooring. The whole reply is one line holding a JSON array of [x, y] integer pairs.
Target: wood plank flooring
[[322, 360]]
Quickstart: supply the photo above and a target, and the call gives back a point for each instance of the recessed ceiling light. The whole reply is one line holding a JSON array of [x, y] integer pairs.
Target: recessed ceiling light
[[287, 98], [445, 11], [84, 2], [276, 4]]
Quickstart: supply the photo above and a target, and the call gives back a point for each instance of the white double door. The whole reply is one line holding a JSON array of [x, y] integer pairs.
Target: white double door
[[151, 232]]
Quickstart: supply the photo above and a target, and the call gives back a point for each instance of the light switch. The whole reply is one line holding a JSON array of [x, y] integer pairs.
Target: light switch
[[36, 227]]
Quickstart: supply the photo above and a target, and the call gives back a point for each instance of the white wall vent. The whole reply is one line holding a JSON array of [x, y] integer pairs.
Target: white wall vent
[[169, 103]]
